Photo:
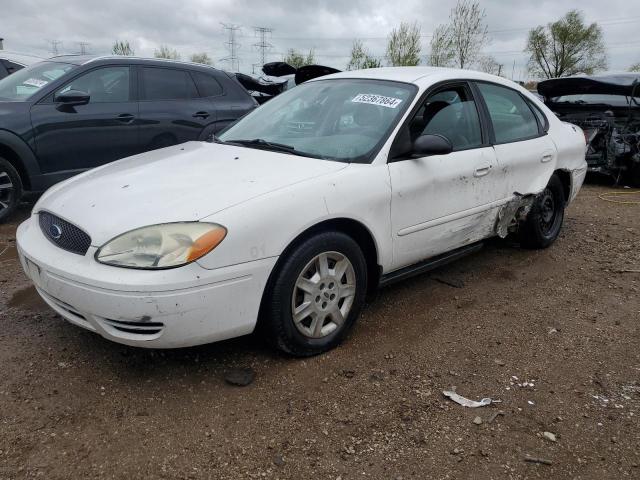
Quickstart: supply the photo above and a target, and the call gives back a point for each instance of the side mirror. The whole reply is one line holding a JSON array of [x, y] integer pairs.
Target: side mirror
[[431, 145], [72, 98]]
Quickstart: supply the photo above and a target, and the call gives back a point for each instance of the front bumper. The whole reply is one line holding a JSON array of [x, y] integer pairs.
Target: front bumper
[[172, 308]]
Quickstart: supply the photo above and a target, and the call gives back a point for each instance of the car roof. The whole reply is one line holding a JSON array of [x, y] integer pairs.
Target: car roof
[[87, 59], [420, 76], [24, 59]]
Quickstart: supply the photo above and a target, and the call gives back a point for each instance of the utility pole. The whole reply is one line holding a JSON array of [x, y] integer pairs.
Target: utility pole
[[263, 46], [83, 47], [54, 47], [232, 46]]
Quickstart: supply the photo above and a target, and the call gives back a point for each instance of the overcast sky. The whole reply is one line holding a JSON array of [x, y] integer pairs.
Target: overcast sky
[[328, 26]]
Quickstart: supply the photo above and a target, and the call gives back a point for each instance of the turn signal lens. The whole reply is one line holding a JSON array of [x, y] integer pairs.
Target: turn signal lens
[[168, 245]]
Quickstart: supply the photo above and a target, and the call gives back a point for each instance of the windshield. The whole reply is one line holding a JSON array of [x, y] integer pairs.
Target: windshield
[[342, 119], [24, 83], [590, 98]]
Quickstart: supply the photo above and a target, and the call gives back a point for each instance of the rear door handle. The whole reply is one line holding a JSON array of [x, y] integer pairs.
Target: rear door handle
[[546, 158], [125, 118], [482, 170], [201, 115]]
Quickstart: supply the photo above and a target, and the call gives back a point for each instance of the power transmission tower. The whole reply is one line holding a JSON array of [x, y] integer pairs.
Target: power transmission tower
[[263, 46], [54, 47], [232, 46], [83, 47]]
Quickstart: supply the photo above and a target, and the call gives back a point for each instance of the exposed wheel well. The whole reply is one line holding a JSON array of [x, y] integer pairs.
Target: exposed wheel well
[[12, 157], [565, 179]]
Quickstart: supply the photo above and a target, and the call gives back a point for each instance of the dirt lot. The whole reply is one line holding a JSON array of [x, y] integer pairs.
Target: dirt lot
[[553, 334]]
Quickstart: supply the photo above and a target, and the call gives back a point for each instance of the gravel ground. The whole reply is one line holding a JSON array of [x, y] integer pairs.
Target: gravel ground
[[553, 334]]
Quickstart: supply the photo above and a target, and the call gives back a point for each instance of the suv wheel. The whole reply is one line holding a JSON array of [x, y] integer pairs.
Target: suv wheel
[[10, 189], [316, 295], [544, 222]]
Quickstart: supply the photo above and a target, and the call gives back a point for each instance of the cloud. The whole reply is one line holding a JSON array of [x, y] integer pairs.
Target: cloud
[[328, 27]]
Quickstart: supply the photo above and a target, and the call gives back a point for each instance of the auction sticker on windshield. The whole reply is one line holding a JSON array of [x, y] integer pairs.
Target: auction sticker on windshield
[[34, 82], [373, 99]]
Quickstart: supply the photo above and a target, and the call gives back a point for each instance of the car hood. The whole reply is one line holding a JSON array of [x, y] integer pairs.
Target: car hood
[[186, 182], [609, 84]]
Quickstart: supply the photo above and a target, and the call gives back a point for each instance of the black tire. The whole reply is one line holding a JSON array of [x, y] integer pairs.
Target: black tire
[[633, 174], [10, 189], [278, 324], [544, 222]]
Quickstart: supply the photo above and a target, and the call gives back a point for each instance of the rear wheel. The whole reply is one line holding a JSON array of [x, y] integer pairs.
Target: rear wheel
[[544, 222], [10, 189], [316, 295]]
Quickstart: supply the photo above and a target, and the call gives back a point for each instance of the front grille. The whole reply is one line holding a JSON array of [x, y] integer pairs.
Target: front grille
[[64, 234]]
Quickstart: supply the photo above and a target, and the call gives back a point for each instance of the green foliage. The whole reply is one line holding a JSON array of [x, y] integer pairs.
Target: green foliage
[[297, 59], [635, 68], [361, 59], [122, 47], [166, 52], [203, 58], [468, 32], [566, 47], [441, 53], [403, 45]]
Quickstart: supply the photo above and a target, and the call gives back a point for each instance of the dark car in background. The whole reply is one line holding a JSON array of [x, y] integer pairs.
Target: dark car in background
[[607, 108], [11, 62], [68, 114]]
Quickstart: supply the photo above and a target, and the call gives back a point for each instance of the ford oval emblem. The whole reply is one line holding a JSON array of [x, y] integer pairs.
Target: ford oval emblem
[[55, 231]]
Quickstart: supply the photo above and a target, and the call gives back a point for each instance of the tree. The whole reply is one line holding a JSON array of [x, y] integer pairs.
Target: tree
[[441, 53], [403, 45], [468, 32], [360, 58], [488, 64], [635, 68], [166, 52], [203, 58], [121, 47], [297, 59], [566, 47]]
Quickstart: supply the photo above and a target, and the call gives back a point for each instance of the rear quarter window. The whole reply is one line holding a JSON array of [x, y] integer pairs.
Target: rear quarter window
[[207, 85]]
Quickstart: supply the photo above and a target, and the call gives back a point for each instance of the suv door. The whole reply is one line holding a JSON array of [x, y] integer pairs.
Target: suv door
[[442, 202], [171, 110], [524, 150], [85, 136]]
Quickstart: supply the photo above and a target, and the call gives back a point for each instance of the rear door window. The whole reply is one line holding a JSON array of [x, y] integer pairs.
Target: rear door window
[[510, 114], [167, 84]]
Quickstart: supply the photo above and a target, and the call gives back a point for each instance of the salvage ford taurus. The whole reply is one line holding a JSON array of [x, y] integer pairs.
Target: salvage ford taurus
[[299, 209]]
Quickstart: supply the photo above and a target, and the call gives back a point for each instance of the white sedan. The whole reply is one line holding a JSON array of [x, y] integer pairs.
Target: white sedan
[[294, 213]]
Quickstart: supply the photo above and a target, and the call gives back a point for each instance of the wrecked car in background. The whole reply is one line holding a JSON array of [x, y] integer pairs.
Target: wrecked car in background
[[607, 108], [278, 77]]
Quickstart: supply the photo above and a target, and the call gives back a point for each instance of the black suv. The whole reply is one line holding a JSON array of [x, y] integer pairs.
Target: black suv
[[68, 114]]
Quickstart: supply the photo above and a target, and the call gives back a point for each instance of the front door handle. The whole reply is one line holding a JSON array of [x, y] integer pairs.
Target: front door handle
[[482, 170], [201, 115], [125, 118], [546, 158]]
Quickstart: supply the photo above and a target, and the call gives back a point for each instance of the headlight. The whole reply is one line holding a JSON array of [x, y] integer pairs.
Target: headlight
[[162, 246]]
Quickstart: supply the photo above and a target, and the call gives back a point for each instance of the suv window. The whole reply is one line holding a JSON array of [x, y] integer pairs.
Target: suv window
[[207, 85], [167, 84], [452, 113], [510, 114], [104, 85]]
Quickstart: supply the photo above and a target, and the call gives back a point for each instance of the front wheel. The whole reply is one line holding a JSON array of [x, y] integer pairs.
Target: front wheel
[[544, 222], [10, 189], [316, 295]]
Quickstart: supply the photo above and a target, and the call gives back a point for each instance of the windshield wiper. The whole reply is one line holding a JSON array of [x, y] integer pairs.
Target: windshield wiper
[[262, 143]]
